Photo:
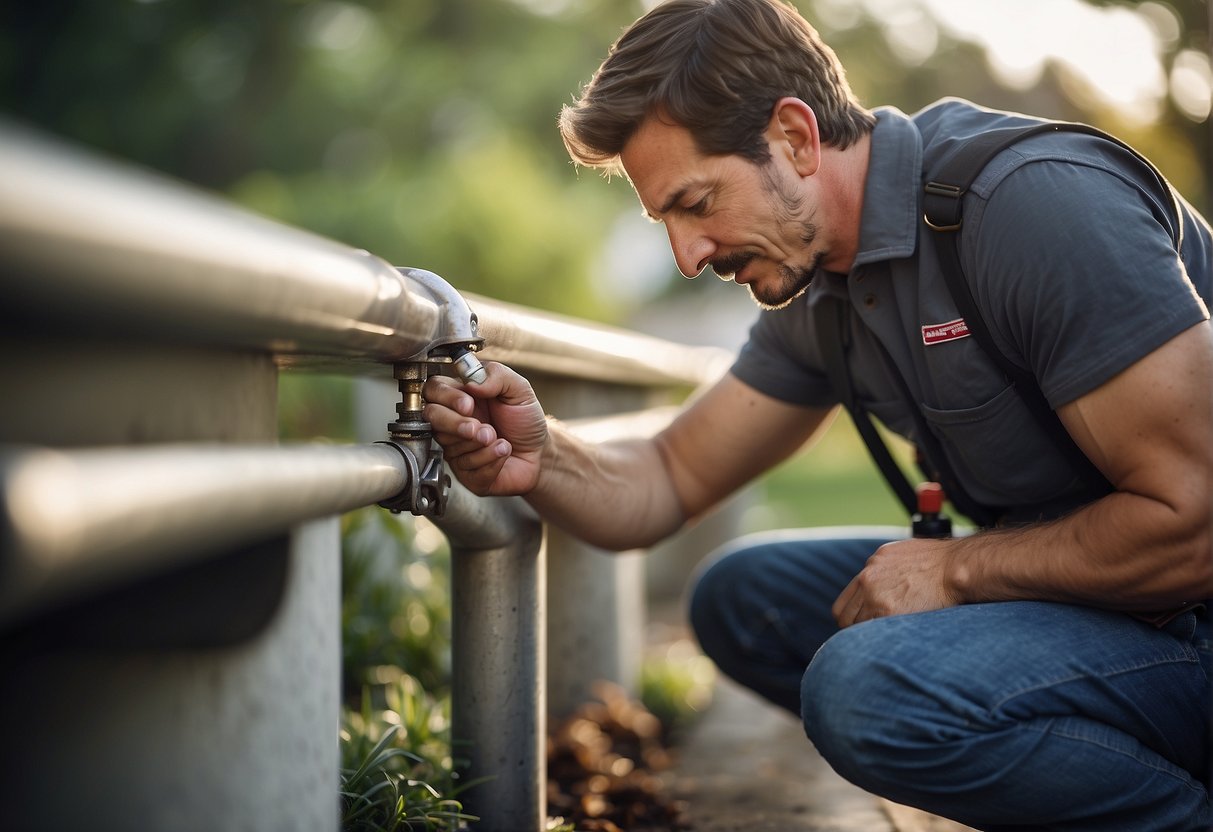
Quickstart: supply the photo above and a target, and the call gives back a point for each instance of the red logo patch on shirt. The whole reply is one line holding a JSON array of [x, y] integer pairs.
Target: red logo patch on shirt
[[949, 331]]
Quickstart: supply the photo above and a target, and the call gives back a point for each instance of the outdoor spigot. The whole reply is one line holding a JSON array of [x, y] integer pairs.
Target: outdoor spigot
[[455, 347], [411, 435], [457, 339]]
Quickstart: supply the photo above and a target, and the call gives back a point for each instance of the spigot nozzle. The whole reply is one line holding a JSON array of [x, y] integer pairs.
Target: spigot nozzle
[[469, 368]]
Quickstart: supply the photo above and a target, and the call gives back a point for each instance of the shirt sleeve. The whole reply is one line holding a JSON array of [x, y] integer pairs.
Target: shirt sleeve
[[1075, 268], [781, 358]]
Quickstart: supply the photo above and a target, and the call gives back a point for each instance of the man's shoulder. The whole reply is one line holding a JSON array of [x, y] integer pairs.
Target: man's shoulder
[[950, 122]]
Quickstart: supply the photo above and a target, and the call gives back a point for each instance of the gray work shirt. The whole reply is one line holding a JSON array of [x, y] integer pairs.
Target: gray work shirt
[[1067, 246]]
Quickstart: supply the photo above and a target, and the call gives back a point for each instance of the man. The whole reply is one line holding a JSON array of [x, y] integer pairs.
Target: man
[[1001, 679]]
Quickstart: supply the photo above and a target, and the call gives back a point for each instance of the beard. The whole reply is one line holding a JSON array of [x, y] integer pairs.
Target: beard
[[793, 280]]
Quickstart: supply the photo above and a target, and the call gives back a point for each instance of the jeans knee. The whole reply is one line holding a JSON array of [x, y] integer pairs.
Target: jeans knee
[[853, 708], [712, 594]]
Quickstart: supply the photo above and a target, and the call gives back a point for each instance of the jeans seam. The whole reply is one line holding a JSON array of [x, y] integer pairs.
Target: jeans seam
[[1170, 772], [1187, 659]]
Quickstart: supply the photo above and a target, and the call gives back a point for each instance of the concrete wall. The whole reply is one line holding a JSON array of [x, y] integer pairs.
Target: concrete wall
[[203, 699]]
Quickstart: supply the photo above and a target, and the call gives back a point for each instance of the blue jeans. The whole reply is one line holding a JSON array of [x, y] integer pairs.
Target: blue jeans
[[1003, 716]]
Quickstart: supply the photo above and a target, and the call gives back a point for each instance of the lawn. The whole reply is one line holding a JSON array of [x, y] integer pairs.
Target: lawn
[[833, 484]]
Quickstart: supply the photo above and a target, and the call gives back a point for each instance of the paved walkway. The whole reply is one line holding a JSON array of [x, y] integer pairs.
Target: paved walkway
[[746, 766]]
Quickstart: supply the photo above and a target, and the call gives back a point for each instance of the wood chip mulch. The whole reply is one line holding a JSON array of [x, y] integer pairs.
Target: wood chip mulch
[[604, 765]]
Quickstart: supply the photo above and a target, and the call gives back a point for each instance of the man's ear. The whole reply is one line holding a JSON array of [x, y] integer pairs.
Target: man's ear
[[792, 130]]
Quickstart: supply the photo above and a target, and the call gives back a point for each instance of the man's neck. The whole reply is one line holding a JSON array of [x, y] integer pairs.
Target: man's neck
[[847, 175]]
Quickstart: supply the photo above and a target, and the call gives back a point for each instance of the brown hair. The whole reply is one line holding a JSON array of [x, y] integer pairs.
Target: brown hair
[[716, 67]]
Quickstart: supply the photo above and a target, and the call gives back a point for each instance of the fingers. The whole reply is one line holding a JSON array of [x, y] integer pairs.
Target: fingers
[[849, 605], [465, 437], [448, 393], [491, 433], [474, 453], [450, 410]]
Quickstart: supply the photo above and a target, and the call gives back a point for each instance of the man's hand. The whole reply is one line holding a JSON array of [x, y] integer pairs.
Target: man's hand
[[492, 434], [901, 577]]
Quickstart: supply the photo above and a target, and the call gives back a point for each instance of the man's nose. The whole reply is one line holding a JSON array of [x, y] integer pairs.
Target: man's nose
[[692, 249]]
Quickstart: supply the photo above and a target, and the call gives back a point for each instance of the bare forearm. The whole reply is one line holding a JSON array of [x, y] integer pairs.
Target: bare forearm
[[1124, 551], [616, 495], [1146, 545]]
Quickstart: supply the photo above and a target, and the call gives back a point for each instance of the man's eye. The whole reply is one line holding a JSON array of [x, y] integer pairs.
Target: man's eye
[[699, 208]]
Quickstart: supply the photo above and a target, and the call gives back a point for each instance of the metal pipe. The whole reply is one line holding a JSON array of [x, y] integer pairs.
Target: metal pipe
[[498, 652], [101, 247], [107, 247], [77, 522], [564, 346]]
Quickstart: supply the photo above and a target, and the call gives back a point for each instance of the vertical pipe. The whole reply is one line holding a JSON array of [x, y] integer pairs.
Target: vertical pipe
[[498, 646]]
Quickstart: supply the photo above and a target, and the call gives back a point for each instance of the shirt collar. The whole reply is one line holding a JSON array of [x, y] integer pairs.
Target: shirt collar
[[888, 227]]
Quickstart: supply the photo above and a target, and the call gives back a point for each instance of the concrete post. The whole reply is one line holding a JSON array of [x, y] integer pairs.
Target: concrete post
[[112, 718], [596, 610]]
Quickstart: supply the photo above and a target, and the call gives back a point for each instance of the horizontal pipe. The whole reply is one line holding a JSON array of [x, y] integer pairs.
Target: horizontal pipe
[[565, 346], [77, 522], [89, 245], [113, 248]]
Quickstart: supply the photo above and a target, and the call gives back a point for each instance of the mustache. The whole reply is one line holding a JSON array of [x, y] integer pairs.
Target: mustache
[[730, 264]]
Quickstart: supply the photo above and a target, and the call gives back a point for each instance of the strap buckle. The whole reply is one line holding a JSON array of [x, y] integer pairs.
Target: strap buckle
[[941, 206]]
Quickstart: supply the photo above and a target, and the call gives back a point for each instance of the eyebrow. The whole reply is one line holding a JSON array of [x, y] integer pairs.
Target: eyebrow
[[674, 199]]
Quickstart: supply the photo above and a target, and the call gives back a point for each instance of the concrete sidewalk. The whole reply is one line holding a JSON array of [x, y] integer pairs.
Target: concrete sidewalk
[[746, 766]]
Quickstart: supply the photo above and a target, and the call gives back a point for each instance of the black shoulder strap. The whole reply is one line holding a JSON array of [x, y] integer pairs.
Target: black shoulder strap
[[955, 174], [831, 319], [942, 211], [833, 336]]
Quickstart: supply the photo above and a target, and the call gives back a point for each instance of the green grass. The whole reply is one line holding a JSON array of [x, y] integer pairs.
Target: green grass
[[396, 771], [834, 483], [676, 687]]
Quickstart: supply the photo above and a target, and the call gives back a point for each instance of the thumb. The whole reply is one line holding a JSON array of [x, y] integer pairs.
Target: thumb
[[503, 384]]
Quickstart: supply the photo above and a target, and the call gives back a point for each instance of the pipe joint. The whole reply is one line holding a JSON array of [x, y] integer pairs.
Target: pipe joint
[[454, 345], [457, 338]]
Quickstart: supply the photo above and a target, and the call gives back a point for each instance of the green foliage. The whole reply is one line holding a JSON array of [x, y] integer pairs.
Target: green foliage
[[421, 130], [396, 604], [834, 484], [315, 407], [424, 130], [397, 767], [676, 687], [396, 772]]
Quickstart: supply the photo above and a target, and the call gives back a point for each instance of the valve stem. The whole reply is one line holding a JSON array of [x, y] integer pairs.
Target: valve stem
[[468, 366]]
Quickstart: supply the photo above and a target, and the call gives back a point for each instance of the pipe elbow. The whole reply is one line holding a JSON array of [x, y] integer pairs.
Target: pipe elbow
[[458, 321], [457, 337]]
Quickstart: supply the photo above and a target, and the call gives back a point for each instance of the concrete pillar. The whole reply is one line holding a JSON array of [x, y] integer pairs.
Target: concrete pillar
[[596, 620], [200, 700], [596, 609]]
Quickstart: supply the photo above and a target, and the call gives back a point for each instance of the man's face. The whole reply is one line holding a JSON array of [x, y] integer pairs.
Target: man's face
[[750, 222]]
